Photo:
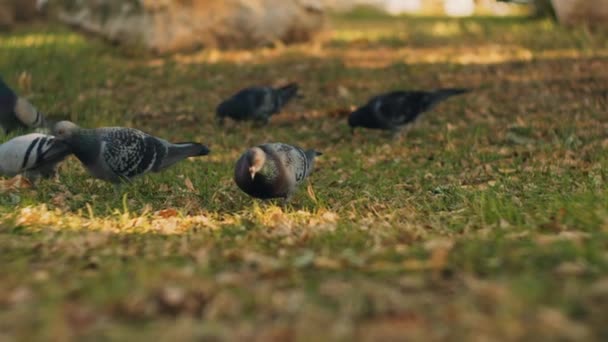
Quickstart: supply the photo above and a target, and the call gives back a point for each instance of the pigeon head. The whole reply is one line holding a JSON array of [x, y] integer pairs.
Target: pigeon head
[[363, 117], [64, 130], [357, 118], [222, 110], [255, 160]]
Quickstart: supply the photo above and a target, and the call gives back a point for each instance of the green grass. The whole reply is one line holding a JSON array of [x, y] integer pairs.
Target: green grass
[[488, 220]]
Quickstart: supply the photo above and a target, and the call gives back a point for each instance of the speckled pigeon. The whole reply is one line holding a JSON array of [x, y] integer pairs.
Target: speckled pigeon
[[16, 112], [273, 170], [118, 154], [35, 155], [256, 103], [393, 110]]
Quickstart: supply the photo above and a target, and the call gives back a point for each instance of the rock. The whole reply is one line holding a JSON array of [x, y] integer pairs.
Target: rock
[[165, 26], [572, 12], [16, 10]]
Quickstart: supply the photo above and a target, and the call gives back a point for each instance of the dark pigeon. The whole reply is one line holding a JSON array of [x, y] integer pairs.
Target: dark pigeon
[[393, 110], [256, 103], [273, 170], [16, 112], [118, 154]]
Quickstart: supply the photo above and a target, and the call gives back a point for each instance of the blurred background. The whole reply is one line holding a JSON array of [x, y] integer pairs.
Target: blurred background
[[171, 26]]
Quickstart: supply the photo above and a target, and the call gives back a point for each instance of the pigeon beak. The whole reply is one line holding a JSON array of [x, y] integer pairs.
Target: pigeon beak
[[252, 172]]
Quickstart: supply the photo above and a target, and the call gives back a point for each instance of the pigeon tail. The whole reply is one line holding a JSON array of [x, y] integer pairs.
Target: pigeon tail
[[286, 93], [442, 94], [180, 151], [311, 154], [189, 149]]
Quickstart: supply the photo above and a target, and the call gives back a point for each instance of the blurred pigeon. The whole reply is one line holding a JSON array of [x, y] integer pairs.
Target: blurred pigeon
[[118, 154], [256, 103], [393, 110], [273, 170], [35, 155], [16, 112]]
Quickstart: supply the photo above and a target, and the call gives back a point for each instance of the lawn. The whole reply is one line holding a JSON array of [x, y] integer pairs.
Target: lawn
[[487, 220]]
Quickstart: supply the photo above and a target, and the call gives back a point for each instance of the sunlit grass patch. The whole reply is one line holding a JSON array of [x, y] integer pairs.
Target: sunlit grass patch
[[37, 40]]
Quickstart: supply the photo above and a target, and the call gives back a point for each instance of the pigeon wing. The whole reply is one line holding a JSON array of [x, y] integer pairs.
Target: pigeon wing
[[398, 108], [130, 152], [264, 102], [293, 159]]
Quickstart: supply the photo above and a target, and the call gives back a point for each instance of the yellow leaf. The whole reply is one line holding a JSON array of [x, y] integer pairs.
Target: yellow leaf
[[311, 193], [17, 182], [189, 184]]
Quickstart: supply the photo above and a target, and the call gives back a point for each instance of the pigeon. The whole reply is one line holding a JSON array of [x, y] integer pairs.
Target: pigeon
[[256, 103], [16, 112], [273, 170], [35, 155], [393, 110], [118, 154]]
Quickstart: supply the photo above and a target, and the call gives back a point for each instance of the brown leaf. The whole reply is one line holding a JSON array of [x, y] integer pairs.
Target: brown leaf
[[166, 213], [311, 193], [324, 262], [17, 182], [189, 185], [59, 200], [571, 268], [25, 81]]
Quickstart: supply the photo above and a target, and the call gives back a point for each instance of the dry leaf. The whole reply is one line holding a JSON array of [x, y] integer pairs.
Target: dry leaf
[[166, 213], [324, 262], [189, 185], [17, 182], [25, 81], [343, 92], [311, 193], [59, 200]]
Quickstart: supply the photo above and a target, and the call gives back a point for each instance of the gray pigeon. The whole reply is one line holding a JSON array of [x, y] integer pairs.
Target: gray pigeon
[[35, 155], [393, 110], [118, 154], [256, 103], [16, 112], [273, 170]]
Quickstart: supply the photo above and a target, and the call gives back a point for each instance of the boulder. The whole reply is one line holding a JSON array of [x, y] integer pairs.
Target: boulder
[[570, 12], [12, 11], [165, 26]]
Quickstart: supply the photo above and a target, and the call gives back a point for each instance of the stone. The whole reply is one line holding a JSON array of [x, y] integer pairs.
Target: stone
[[12, 11], [571, 12], [166, 26]]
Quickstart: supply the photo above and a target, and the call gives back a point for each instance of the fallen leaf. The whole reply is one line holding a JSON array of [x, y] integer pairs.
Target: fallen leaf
[[17, 182], [166, 213], [25, 81], [311, 193], [189, 185]]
